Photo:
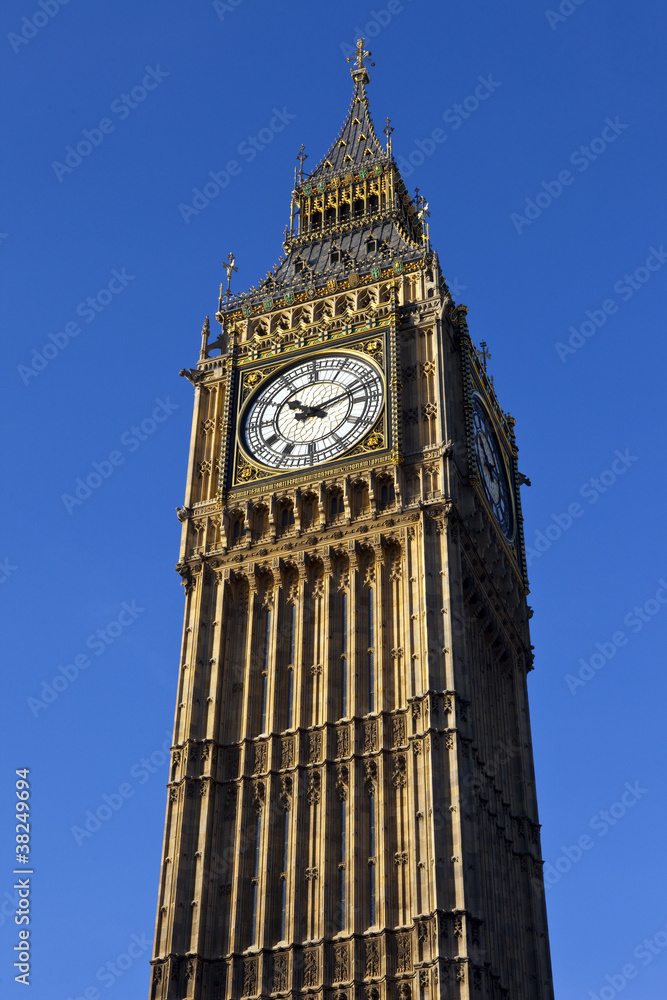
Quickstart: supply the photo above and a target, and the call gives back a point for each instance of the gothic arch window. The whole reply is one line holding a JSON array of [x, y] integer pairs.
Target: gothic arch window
[[309, 510], [285, 517], [359, 501], [259, 522], [412, 489], [385, 493], [336, 504], [237, 529]]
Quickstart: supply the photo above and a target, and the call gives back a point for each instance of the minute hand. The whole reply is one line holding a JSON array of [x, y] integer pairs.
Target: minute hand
[[335, 399]]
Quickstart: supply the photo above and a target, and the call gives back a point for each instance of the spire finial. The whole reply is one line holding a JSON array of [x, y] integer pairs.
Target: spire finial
[[228, 266], [359, 71], [301, 156], [484, 354], [387, 131]]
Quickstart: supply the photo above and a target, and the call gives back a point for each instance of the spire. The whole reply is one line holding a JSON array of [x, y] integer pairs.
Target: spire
[[356, 146], [351, 216]]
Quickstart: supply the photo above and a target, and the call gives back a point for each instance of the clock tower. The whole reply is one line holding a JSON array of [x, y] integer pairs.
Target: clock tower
[[351, 806]]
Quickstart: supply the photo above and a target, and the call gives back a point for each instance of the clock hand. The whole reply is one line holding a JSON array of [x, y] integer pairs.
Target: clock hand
[[336, 399]]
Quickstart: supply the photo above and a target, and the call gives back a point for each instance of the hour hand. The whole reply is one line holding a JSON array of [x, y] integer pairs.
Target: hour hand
[[306, 411]]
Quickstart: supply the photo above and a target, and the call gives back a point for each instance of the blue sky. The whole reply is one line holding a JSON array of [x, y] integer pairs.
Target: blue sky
[[546, 192]]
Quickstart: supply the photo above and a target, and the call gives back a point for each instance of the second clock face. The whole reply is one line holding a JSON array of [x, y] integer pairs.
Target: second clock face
[[313, 411], [492, 470]]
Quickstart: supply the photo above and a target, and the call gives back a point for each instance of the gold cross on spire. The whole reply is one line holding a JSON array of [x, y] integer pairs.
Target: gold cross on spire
[[359, 70], [484, 354], [228, 266]]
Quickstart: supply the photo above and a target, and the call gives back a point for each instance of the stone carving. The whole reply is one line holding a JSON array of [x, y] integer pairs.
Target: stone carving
[[401, 858], [342, 742], [310, 968], [342, 778], [428, 368], [341, 964], [311, 874], [372, 964], [399, 776], [279, 984], [370, 737], [370, 773], [313, 793], [285, 791], [231, 763], [403, 953], [249, 977], [314, 747], [404, 991], [398, 732], [259, 758], [258, 795], [395, 568], [410, 415], [230, 802], [287, 753]]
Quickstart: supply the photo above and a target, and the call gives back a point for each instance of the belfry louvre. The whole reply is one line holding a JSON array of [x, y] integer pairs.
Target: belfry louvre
[[351, 807]]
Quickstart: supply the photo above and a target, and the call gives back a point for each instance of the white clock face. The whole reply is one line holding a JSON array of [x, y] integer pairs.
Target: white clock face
[[313, 411]]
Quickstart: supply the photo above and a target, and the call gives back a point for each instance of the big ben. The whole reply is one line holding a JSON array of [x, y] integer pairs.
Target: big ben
[[351, 806]]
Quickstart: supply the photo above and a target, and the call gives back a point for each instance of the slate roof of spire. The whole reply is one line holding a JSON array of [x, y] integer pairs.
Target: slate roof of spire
[[356, 143]]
